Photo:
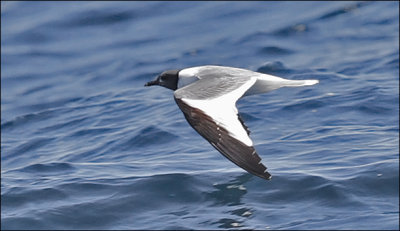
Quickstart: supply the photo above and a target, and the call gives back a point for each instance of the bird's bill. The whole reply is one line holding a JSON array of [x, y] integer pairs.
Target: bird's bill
[[151, 83]]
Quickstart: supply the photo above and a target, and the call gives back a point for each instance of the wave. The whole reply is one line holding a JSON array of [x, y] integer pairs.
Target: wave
[[187, 196]]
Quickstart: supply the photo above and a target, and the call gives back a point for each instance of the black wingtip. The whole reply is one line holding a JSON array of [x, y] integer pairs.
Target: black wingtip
[[264, 175], [267, 176]]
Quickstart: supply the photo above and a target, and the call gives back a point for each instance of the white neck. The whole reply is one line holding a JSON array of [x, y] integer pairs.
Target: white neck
[[187, 76]]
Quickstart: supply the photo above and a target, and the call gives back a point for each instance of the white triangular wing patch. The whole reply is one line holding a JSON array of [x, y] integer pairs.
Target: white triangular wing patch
[[224, 112]]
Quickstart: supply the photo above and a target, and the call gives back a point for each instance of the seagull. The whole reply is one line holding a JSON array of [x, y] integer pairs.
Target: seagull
[[207, 96]]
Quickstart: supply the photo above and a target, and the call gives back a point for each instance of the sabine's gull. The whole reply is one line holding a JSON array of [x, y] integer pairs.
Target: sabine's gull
[[207, 96]]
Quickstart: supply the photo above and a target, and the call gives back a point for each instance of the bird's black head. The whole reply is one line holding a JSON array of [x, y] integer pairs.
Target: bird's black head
[[168, 79]]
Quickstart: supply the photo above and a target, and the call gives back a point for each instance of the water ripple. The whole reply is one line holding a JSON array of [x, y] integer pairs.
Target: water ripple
[[146, 137]]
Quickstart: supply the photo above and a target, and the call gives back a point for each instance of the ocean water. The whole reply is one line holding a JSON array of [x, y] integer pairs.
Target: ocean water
[[84, 145]]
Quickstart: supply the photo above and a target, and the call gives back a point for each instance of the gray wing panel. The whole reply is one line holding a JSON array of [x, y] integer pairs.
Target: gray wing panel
[[210, 88]]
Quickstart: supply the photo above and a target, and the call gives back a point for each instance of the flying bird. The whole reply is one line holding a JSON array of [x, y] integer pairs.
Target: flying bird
[[207, 96]]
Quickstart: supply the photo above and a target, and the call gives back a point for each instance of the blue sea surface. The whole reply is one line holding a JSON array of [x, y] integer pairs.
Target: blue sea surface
[[84, 145]]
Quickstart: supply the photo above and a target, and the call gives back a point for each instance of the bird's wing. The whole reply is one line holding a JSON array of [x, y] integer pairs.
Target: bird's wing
[[209, 105]]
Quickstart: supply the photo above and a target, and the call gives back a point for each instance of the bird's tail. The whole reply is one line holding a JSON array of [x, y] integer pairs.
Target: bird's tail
[[299, 83]]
